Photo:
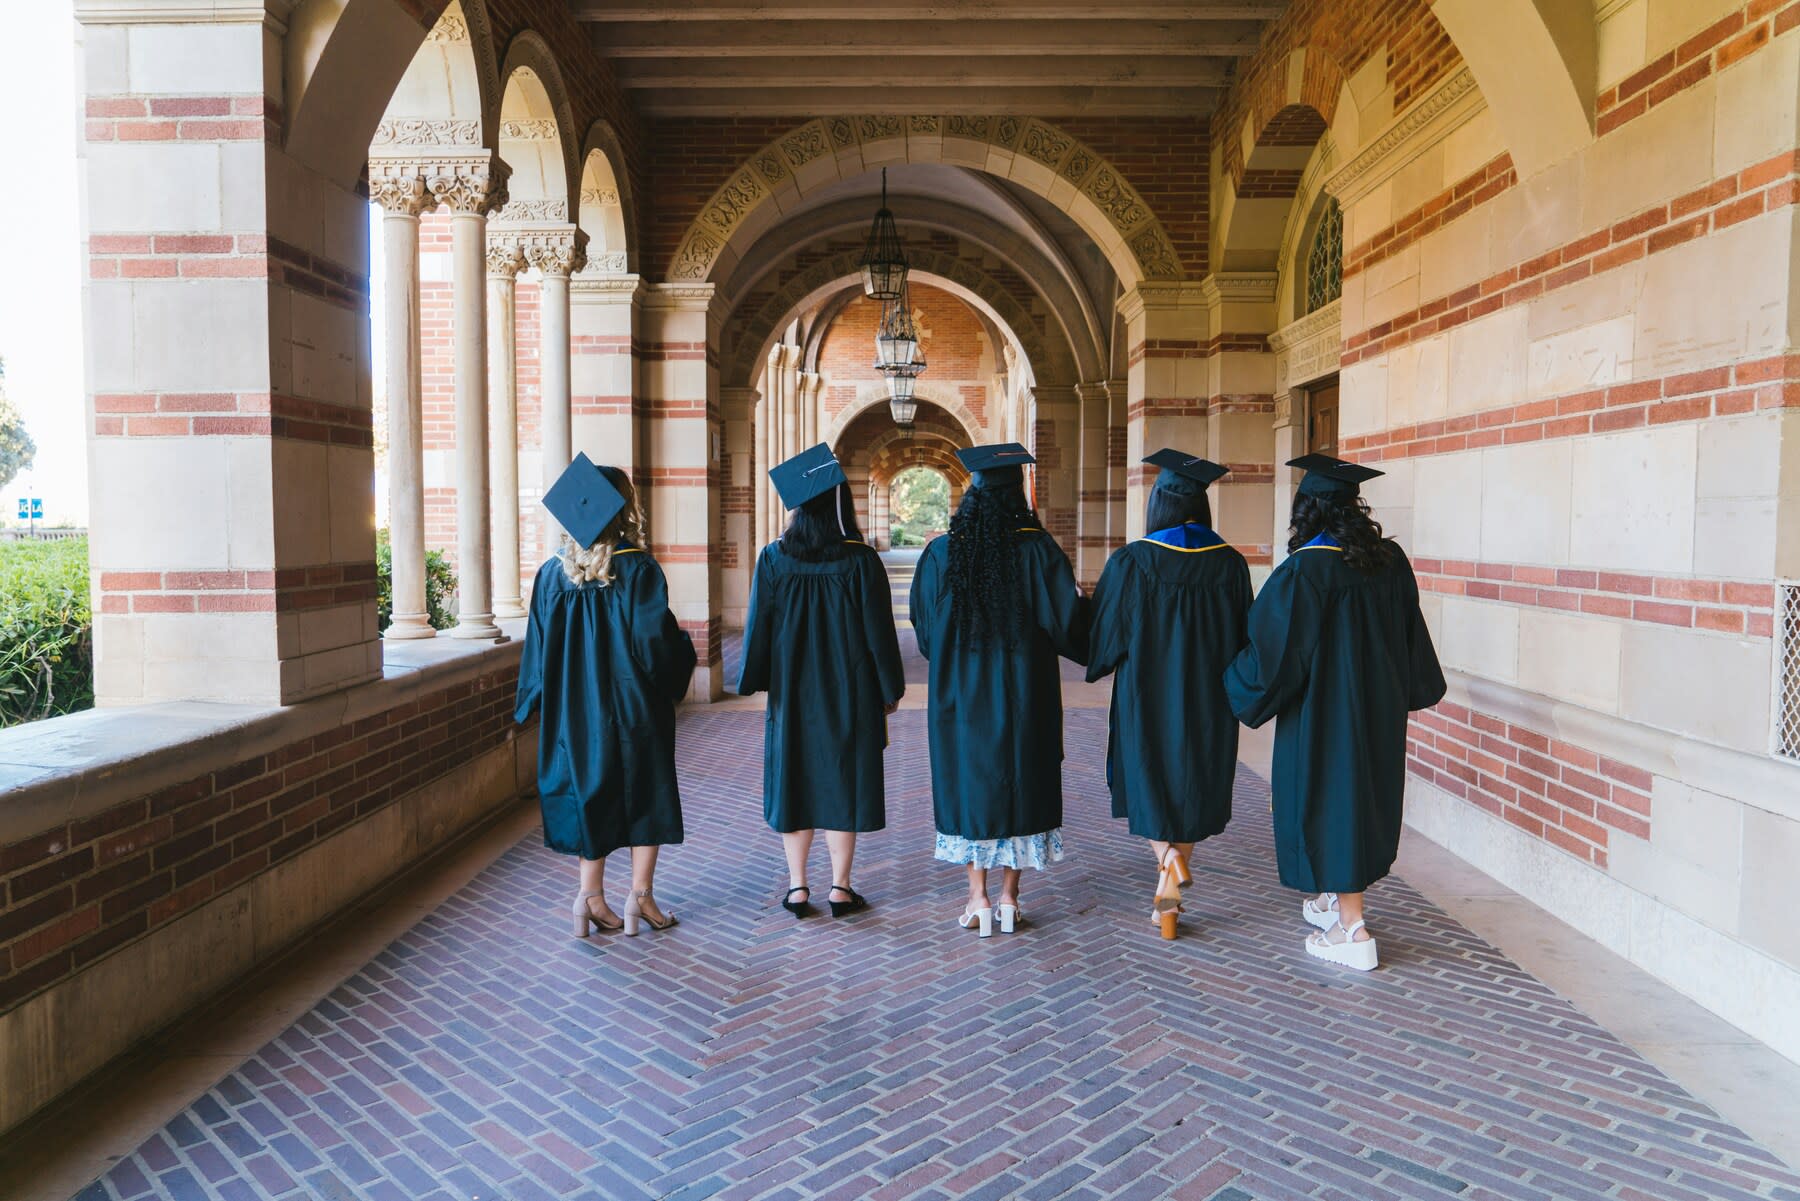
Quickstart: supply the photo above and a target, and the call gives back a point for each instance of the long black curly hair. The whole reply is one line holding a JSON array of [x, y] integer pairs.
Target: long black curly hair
[[1346, 519], [987, 593], [813, 533]]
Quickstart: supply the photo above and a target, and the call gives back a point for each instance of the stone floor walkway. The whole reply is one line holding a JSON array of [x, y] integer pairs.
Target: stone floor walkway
[[485, 1054]]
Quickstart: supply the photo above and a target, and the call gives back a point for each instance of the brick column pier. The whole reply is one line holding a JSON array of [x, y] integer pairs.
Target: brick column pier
[[1166, 380]]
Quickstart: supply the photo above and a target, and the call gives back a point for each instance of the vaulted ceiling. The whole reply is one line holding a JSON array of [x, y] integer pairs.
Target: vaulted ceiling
[[1048, 58]]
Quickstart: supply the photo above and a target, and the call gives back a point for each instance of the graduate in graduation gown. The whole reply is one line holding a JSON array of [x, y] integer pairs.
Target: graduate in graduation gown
[[1338, 656], [820, 641], [605, 663], [994, 603], [1169, 616]]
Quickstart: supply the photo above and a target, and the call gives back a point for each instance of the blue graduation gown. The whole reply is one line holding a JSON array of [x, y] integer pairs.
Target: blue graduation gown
[[606, 666], [820, 641], [1338, 657], [995, 713], [1169, 616]]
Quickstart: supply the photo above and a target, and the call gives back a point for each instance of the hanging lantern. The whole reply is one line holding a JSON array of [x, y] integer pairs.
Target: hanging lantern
[[901, 404], [883, 258], [897, 339]]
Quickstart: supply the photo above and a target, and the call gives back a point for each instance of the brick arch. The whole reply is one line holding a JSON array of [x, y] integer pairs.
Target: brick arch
[[748, 339], [537, 128], [964, 428], [1037, 156]]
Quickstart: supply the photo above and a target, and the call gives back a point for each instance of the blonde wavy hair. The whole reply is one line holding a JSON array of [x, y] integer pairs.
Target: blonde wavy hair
[[594, 563]]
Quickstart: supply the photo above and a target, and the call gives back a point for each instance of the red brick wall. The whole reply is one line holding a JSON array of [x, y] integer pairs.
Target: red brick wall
[[1168, 160], [85, 888], [1340, 36], [953, 344]]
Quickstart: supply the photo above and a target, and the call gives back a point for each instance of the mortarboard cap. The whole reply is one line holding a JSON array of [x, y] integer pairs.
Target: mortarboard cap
[[993, 457], [1326, 476], [1184, 473], [583, 501], [810, 473]]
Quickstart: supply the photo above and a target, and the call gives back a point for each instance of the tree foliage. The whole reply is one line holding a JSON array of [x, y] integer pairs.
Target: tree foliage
[[918, 505], [46, 630], [16, 447], [440, 586]]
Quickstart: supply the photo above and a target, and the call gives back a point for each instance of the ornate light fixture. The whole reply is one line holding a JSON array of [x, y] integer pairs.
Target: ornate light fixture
[[900, 396], [883, 259], [897, 338]]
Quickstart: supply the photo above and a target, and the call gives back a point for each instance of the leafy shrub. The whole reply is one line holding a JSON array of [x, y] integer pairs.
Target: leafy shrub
[[46, 630], [440, 585]]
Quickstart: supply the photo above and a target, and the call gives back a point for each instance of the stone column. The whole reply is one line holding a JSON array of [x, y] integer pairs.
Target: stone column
[[400, 192], [738, 543], [681, 391], [471, 191], [1240, 405], [809, 390], [1118, 404], [1053, 431], [760, 472], [557, 254], [1091, 541], [503, 265], [1166, 326]]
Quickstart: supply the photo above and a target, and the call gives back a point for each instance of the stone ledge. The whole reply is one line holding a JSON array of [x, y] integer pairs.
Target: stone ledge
[[67, 768]]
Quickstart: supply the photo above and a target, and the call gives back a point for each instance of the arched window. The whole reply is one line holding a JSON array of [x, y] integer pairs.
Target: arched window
[[1325, 261]]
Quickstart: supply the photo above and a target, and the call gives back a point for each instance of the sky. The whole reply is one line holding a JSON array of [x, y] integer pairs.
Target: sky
[[40, 264]]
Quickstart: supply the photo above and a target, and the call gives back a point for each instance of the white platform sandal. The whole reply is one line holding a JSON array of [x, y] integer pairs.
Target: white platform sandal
[[1324, 918], [1345, 951]]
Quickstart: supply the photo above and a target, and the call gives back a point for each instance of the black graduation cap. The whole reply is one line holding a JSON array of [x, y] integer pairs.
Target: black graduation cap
[[1184, 473], [810, 473], [989, 458], [1326, 476], [583, 501]]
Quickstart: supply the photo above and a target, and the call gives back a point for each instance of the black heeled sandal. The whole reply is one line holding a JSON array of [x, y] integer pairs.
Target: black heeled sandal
[[843, 908], [798, 908]]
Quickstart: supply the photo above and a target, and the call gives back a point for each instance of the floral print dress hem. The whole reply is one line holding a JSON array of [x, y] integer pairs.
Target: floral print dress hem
[[1033, 850]]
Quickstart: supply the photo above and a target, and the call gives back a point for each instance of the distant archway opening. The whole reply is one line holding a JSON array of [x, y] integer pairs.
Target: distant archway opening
[[918, 506]]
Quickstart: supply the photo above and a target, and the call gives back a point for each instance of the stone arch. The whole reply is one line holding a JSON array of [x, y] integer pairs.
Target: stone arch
[[1033, 154], [604, 206], [752, 334], [1297, 238], [872, 395], [1310, 78], [1067, 303], [536, 134], [1536, 63], [1257, 206], [447, 95]]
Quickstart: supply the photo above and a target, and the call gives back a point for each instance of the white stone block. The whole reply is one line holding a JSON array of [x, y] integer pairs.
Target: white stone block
[[1362, 399], [1526, 498], [1539, 213], [254, 503], [1481, 637], [1592, 356], [244, 196], [167, 499], [1570, 658], [1419, 382], [351, 494], [1590, 301], [1447, 505], [207, 335], [1707, 686], [1736, 536], [1634, 500], [1715, 299], [1771, 848], [1758, 115], [1488, 361], [1742, 456], [111, 333], [129, 191], [198, 60], [1459, 254], [105, 59], [1620, 43], [1665, 153]]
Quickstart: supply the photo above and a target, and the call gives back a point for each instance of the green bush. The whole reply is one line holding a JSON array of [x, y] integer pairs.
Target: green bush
[[440, 585], [46, 630]]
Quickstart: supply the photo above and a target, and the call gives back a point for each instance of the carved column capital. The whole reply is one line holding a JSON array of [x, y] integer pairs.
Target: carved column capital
[[503, 258], [398, 188], [476, 184], [555, 251]]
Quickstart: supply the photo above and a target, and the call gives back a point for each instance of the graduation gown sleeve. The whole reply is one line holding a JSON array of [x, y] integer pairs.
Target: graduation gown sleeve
[[759, 632], [531, 663], [1063, 611], [1270, 673], [661, 648], [1425, 685], [878, 627], [922, 601], [1108, 643]]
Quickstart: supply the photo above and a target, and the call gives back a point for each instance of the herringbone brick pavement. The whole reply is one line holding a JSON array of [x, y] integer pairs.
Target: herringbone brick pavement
[[891, 1055]]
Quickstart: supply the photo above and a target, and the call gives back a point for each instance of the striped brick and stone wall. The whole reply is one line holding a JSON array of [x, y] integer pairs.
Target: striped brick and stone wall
[[1582, 385]]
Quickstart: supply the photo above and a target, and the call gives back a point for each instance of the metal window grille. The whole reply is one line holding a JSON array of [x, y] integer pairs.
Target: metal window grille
[[1325, 261], [1786, 707]]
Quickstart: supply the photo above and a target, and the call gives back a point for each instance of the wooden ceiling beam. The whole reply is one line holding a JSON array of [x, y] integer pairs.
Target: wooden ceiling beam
[[1045, 101], [888, 10], [993, 38], [948, 71]]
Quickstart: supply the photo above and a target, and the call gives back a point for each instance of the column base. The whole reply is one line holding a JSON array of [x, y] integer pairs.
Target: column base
[[506, 610], [475, 625], [407, 626]]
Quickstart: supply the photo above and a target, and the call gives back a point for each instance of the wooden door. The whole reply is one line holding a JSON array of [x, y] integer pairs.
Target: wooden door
[[1322, 419]]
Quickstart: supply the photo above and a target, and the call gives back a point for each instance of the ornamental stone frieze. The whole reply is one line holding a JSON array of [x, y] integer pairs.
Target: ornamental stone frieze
[[1307, 349], [424, 132], [472, 184], [522, 212], [864, 142]]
